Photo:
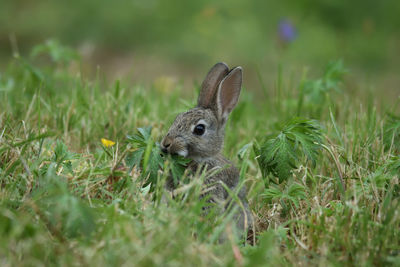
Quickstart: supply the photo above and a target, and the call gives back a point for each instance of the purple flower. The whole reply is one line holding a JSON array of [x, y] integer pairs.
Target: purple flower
[[286, 31]]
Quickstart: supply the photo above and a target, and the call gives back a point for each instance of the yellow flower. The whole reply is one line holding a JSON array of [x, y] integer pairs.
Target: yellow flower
[[107, 143]]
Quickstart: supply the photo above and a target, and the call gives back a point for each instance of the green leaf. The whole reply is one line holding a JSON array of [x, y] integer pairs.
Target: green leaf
[[306, 134], [146, 156], [315, 92], [391, 134], [299, 139], [62, 156], [178, 166], [333, 75], [57, 52], [145, 190], [134, 158], [242, 152], [293, 193], [272, 193], [140, 138], [66, 214], [393, 165]]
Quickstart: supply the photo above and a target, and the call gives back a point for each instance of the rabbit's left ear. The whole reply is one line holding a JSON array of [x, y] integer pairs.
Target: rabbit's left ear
[[228, 93]]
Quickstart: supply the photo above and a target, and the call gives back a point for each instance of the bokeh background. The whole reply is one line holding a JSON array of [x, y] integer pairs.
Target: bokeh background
[[179, 39]]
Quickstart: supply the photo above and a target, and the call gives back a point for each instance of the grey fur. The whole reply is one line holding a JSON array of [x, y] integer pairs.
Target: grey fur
[[205, 150]]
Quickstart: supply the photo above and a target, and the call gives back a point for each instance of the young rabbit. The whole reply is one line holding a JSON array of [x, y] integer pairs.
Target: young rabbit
[[198, 134]]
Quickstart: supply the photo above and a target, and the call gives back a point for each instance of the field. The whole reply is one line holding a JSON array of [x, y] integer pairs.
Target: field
[[319, 156], [89, 88]]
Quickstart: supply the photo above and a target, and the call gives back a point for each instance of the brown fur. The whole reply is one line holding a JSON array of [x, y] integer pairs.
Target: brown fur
[[218, 96]]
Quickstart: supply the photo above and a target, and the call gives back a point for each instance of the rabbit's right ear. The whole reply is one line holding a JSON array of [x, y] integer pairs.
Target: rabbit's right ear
[[228, 94], [210, 85]]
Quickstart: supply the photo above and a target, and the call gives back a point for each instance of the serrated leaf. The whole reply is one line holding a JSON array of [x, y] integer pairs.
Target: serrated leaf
[[296, 190], [177, 167], [293, 193], [154, 164], [272, 193], [306, 135], [147, 157], [315, 91], [134, 158], [140, 138], [299, 139], [62, 156]]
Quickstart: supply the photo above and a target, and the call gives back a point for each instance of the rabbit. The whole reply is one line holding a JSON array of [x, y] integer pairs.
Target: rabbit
[[198, 134]]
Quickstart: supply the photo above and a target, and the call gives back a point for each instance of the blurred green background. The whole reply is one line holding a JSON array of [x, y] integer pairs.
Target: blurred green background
[[181, 39]]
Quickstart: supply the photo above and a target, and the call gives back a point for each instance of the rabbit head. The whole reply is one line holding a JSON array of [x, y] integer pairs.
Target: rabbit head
[[199, 133]]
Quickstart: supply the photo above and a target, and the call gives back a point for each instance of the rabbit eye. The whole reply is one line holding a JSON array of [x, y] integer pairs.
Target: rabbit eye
[[199, 129]]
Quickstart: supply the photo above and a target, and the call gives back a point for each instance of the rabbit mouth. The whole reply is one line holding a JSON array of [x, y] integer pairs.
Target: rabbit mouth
[[182, 153], [174, 148]]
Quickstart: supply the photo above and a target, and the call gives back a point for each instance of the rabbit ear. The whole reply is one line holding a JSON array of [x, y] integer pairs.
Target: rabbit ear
[[210, 85], [228, 93]]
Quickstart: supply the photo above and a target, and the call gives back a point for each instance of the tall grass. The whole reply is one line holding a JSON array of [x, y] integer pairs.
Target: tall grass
[[66, 198]]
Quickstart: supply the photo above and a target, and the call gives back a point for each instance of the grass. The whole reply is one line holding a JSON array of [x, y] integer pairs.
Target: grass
[[67, 198]]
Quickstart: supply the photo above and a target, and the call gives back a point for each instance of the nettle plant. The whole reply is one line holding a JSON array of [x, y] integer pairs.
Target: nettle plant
[[278, 156], [299, 142]]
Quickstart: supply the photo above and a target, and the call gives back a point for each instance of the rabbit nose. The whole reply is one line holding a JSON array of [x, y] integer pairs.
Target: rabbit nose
[[164, 149], [165, 144]]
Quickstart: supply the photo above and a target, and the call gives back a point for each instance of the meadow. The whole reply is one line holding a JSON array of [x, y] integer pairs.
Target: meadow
[[82, 178]]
